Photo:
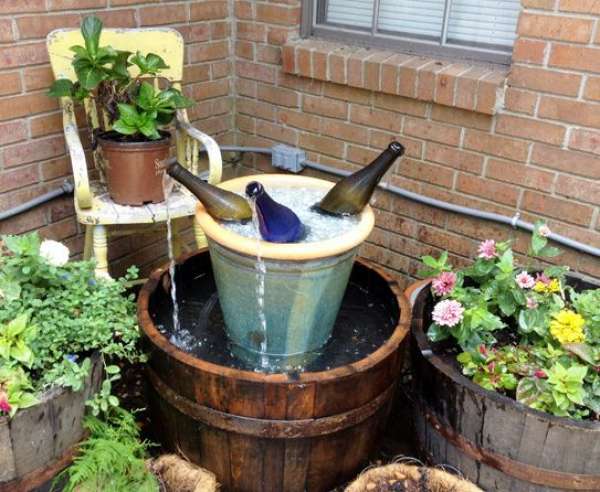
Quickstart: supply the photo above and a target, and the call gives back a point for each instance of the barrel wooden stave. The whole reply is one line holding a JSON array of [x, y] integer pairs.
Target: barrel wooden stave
[[523, 449], [342, 411]]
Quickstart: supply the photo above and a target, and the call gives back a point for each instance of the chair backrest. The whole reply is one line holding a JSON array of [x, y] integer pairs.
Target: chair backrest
[[165, 42]]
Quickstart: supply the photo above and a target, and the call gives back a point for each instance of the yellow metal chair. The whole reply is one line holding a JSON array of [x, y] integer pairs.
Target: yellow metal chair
[[93, 205]]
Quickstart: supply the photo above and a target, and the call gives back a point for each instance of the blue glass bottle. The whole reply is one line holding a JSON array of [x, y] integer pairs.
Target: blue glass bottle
[[276, 222]]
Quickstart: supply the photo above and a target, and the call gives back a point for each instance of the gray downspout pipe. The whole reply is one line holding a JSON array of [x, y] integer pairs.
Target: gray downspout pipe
[[432, 202], [65, 189]]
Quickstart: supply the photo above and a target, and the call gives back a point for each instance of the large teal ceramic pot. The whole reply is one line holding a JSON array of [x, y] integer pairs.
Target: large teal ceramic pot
[[279, 312]]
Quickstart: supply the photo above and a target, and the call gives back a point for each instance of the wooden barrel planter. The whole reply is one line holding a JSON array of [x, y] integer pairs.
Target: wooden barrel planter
[[40, 441], [497, 442], [274, 432]]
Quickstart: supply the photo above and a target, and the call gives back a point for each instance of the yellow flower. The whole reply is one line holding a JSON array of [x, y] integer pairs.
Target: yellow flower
[[547, 288], [567, 327]]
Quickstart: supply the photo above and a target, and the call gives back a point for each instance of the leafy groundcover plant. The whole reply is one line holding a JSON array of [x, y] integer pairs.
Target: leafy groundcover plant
[[135, 108], [54, 314], [523, 330]]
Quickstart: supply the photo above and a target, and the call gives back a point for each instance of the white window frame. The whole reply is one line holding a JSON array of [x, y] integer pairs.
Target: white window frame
[[313, 24]]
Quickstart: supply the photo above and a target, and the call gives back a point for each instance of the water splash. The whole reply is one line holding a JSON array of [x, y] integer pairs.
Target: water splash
[[261, 272], [168, 184]]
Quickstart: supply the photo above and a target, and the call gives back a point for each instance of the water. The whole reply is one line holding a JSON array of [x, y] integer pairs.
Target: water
[[320, 227], [366, 320], [261, 272], [168, 184]]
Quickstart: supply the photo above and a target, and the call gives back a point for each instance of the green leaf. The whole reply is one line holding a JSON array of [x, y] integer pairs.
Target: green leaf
[[506, 303], [16, 326], [584, 351], [90, 77], [61, 88], [437, 333], [91, 28], [21, 352], [549, 252], [145, 98], [112, 369], [530, 391], [506, 262], [121, 127], [128, 114], [121, 64]]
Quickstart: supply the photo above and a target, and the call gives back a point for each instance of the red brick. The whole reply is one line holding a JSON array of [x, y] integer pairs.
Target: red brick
[[299, 120], [208, 51], [221, 69], [288, 59], [10, 83], [325, 106], [400, 104], [529, 51], [390, 74], [36, 78], [195, 73], [426, 79], [25, 105], [583, 6], [355, 67], [277, 14], [46, 124], [538, 4], [539, 79], [34, 150], [380, 140], [564, 210], [453, 157], [12, 131], [244, 49], [276, 132], [567, 161], [22, 6], [193, 33], [585, 140], [445, 83], [18, 178], [460, 117], [429, 130], [278, 96], [322, 145], [372, 69], [423, 171], [208, 10], [24, 54], [243, 10], [119, 3], [300, 84], [36, 26], [6, 31], [220, 30], [278, 36], [466, 88], [578, 189], [527, 128], [519, 174], [268, 54], [255, 71], [76, 4], [251, 31], [575, 57], [159, 15], [117, 18], [407, 76], [520, 101], [378, 118], [488, 91], [346, 93], [208, 90], [508, 148], [303, 62], [360, 155], [566, 110], [246, 87], [345, 131], [561, 28], [484, 188], [592, 89]]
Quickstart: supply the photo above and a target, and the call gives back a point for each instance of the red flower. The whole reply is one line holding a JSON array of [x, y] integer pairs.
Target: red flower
[[540, 374], [4, 405]]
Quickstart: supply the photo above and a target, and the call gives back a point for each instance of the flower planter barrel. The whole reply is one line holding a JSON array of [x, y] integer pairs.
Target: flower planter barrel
[[274, 432], [40, 441], [495, 441]]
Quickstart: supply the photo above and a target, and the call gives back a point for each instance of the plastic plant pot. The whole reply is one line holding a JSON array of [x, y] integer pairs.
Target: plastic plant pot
[[304, 283]]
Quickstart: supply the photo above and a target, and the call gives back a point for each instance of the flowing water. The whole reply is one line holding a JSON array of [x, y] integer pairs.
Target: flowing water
[[167, 189], [320, 227]]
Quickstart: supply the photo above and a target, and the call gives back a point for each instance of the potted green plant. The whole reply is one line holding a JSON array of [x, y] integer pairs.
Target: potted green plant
[[137, 105], [61, 329], [507, 368]]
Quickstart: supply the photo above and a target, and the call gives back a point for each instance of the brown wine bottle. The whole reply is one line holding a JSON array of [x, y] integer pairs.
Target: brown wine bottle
[[350, 195], [220, 204]]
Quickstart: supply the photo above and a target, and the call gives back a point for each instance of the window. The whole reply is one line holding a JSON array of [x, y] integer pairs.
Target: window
[[470, 29]]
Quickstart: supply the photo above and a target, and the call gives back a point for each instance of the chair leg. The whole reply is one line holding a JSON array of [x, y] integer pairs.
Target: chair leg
[[100, 243], [199, 235], [88, 244], [176, 238]]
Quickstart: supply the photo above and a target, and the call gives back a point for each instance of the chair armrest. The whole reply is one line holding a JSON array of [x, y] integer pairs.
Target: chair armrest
[[215, 161], [83, 195]]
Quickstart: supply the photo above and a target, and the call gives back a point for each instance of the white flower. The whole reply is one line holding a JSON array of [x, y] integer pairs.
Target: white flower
[[544, 230], [53, 252]]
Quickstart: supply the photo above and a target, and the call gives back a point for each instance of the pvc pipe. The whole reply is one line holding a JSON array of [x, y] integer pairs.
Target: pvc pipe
[[65, 189], [432, 202]]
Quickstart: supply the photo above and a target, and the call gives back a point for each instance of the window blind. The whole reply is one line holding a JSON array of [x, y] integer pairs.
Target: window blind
[[423, 18], [356, 13]]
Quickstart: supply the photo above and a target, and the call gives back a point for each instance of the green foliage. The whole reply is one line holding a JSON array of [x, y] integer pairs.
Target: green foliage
[[72, 313], [434, 267], [134, 108], [112, 458], [549, 357], [16, 388], [104, 401]]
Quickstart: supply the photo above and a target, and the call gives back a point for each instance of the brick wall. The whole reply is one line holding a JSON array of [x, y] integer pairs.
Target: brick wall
[[32, 149], [522, 138]]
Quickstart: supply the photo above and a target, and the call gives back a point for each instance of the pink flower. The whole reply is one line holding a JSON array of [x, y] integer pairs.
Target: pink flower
[[544, 230], [531, 303], [524, 280], [444, 283], [540, 374], [487, 249], [543, 278], [448, 313], [4, 405]]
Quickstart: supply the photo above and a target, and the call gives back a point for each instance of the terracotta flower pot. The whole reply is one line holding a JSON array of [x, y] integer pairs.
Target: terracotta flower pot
[[131, 172]]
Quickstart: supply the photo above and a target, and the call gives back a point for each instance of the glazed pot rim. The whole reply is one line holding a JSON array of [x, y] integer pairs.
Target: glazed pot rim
[[145, 144], [412, 294], [160, 341], [292, 251]]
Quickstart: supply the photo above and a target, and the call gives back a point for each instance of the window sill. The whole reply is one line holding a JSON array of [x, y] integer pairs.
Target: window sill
[[461, 85]]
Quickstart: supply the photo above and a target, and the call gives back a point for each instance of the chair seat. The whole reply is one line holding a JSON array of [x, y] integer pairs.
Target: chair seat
[[105, 211]]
